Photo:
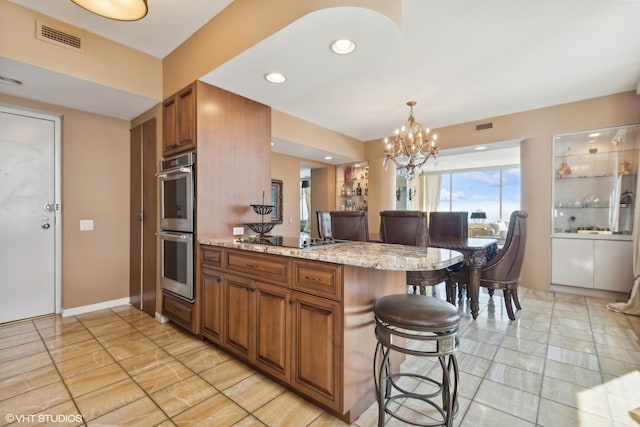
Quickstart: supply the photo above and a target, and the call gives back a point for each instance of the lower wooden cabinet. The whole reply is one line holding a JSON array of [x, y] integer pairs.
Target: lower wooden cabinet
[[305, 323], [178, 310], [212, 305], [317, 355], [257, 324]]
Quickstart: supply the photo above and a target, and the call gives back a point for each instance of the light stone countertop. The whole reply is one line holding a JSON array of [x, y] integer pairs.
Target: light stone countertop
[[379, 256]]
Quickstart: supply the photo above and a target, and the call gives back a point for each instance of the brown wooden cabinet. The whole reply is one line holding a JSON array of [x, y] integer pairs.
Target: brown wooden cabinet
[[306, 323], [257, 323], [178, 310], [179, 122], [212, 305], [317, 349]]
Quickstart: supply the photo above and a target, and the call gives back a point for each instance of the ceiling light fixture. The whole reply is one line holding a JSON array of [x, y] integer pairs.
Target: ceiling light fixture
[[119, 10], [343, 46], [328, 158], [480, 148], [411, 147], [10, 81], [275, 77]]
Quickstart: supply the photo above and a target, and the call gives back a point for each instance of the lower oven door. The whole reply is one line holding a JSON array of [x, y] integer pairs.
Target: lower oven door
[[176, 251]]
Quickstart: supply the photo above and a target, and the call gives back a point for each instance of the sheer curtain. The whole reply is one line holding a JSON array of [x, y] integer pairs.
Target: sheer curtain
[[431, 192], [633, 305]]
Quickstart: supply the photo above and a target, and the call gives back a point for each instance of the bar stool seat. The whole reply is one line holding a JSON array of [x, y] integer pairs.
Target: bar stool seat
[[432, 326]]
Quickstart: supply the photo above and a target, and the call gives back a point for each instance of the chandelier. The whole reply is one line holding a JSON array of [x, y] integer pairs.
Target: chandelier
[[410, 148]]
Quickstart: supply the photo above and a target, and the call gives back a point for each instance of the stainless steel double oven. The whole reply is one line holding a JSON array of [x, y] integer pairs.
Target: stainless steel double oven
[[177, 224]]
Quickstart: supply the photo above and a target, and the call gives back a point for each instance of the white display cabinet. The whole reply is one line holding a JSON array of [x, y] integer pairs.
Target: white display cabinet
[[594, 184]]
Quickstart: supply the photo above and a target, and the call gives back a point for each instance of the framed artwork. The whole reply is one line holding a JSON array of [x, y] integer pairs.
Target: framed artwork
[[276, 201]]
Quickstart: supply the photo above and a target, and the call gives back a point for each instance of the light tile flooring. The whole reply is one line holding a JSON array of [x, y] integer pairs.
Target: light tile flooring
[[565, 361]]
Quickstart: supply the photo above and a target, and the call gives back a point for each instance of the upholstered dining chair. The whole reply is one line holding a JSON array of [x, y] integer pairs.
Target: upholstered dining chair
[[410, 228], [451, 226], [324, 224], [503, 271], [350, 225]]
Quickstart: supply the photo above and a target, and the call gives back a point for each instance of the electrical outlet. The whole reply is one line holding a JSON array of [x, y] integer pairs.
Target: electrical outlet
[[238, 231], [86, 224]]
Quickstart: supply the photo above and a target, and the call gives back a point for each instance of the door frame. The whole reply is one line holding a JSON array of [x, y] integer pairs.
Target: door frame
[[57, 189]]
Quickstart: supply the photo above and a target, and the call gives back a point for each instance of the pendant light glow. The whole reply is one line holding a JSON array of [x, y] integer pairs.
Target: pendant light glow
[[119, 10]]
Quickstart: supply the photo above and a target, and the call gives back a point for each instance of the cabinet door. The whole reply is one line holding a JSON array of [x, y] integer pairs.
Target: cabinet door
[[273, 320], [572, 262], [169, 142], [186, 118], [238, 317], [212, 305], [613, 265], [317, 351]]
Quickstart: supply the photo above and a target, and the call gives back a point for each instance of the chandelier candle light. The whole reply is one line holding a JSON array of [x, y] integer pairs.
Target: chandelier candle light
[[411, 147]]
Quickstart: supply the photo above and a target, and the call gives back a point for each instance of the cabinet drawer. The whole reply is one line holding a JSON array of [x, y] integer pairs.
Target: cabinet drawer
[[212, 256], [178, 310], [318, 278], [272, 268]]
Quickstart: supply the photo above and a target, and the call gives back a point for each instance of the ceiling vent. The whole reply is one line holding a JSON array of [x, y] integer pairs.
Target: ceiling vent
[[67, 37], [484, 126]]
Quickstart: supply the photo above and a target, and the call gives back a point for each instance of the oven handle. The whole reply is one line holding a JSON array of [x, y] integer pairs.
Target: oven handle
[[173, 171], [175, 237]]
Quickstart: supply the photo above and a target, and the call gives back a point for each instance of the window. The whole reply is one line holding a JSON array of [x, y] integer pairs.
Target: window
[[495, 191]]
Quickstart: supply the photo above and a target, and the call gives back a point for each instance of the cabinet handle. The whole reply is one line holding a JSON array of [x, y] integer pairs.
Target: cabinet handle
[[252, 265], [313, 279], [292, 301], [218, 279]]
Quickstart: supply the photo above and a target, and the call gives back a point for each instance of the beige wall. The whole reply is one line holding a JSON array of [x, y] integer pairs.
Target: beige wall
[[287, 168], [95, 185], [95, 64], [536, 127]]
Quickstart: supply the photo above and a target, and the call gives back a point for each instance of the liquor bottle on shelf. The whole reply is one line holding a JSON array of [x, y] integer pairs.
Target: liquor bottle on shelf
[[366, 189], [358, 190]]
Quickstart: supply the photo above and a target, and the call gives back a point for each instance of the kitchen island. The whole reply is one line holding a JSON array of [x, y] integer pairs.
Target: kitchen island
[[304, 316]]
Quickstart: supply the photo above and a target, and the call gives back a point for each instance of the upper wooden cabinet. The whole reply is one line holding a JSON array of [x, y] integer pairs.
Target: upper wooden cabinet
[[179, 122]]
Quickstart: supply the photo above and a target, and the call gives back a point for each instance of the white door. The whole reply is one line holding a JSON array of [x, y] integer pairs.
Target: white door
[[28, 190]]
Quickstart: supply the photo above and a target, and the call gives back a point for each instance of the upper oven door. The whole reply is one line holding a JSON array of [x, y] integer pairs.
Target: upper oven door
[[176, 199]]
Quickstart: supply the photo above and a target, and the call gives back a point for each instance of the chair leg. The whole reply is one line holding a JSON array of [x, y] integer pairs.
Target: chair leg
[[516, 301], [450, 286], [507, 302], [491, 292]]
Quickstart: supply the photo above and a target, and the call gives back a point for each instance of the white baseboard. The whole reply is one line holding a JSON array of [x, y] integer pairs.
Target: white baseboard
[[160, 318], [95, 307]]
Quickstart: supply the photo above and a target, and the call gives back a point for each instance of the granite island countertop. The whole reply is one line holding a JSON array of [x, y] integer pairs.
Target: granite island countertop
[[381, 256]]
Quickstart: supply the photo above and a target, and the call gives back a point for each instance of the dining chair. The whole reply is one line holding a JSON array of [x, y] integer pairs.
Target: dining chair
[[350, 225], [324, 224], [410, 228], [503, 271], [447, 227]]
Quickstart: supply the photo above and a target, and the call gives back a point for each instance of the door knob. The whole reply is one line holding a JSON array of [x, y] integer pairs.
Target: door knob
[[45, 223]]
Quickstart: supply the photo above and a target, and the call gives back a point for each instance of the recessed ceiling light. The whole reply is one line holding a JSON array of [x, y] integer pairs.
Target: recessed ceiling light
[[328, 158], [593, 135], [275, 77], [480, 148], [343, 46], [10, 81]]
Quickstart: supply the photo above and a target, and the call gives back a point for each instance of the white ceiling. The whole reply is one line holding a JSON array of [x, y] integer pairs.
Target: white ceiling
[[461, 60]]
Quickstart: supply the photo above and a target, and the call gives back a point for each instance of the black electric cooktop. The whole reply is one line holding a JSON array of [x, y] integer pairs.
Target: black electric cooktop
[[290, 242]]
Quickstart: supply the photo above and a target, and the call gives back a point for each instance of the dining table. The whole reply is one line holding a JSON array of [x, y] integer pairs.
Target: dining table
[[476, 252]]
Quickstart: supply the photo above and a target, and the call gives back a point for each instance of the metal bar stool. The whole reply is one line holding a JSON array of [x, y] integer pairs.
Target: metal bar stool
[[432, 326]]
